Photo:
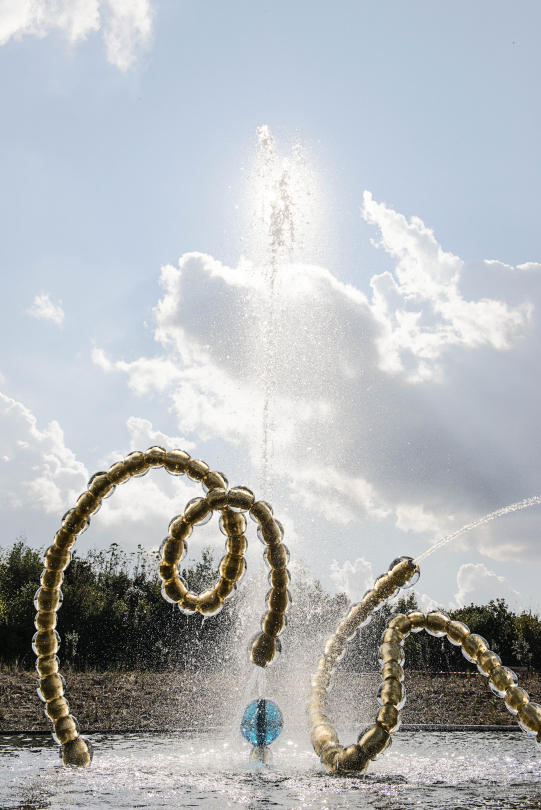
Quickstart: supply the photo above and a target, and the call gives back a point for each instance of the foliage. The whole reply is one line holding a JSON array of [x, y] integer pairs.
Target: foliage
[[114, 616]]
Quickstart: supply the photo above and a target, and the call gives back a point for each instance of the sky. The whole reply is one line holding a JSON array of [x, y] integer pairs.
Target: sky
[[299, 241]]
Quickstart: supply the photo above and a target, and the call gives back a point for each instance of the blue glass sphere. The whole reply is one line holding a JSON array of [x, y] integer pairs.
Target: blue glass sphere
[[261, 722]]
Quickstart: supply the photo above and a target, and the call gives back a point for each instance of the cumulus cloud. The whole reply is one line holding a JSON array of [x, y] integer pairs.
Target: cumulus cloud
[[352, 579], [126, 24], [369, 409], [38, 470], [44, 309], [477, 585], [40, 478], [420, 309]]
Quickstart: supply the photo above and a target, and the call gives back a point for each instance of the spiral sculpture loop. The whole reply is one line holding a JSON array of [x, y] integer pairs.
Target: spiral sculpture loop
[[392, 693], [232, 504]]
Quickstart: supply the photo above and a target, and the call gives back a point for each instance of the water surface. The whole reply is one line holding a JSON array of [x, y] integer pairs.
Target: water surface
[[210, 770]]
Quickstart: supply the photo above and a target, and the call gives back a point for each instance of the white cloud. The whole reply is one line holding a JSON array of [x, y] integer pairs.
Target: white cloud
[[353, 580], [37, 470], [352, 436], [126, 24], [41, 477], [420, 309], [44, 309], [530, 267], [477, 585]]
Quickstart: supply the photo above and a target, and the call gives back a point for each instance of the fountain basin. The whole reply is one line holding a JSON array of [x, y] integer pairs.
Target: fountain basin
[[210, 770]]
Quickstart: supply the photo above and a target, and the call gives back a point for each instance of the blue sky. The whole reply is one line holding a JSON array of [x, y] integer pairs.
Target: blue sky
[[129, 139]]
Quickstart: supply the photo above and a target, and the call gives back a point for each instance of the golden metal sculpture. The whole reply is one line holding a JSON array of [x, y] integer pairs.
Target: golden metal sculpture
[[232, 503], [392, 694]]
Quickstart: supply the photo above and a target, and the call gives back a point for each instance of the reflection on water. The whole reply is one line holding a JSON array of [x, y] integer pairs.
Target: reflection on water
[[423, 770]]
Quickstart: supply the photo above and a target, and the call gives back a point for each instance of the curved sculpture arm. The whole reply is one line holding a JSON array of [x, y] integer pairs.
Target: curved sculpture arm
[[392, 694], [232, 503]]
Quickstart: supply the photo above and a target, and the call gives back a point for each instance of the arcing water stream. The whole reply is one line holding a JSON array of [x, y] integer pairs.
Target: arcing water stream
[[514, 507]]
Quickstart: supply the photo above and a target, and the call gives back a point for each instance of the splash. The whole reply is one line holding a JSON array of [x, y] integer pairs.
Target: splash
[[283, 230], [514, 507]]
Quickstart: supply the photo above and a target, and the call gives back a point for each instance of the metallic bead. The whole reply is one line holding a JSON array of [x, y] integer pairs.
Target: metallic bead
[[279, 579], [57, 559], [52, 580], [529, 718], [261, 512], [457, 632], [327, 664], [136, 464], [45, 642], [45, 621], [47, 665], [217, 498], [273, 623], [64, 539], [515, 698], [487, 661], [100, 485], [236, 545], [335, 648], [392, 670], [401, 623], [188, 603], [265, 650], [57, 709], [270, 532], [197, 469], [392, 636], [405, 572], [175, 590], [389, 718], [197, 510], [118, 473], [353, 758], [88, 504], [321, 680], [51, 687], [179, 529], [66, 729], [173, 551], [347, 629], [436, 623], [278, 601], [155, 456], [209, 603], [215, 480], [232, 523], [329, 757], [501, 679], [277, 556], [472, 646], [232, 567], [386, 586], [417, 621], [241, 498], [167, 571], [391, 652], [224, 588], [321, 736], [176, 462], [47, 600], [392, 692], [74, 523], [77, 752], [375, 741]]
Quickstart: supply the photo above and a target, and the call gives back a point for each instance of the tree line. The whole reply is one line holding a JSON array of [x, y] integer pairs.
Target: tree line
[[114, 617]]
